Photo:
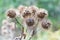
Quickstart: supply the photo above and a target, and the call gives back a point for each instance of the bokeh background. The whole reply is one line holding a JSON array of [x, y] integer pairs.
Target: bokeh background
[[53, 7]]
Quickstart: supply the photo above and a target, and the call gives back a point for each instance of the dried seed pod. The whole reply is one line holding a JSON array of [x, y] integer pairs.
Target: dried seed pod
[[6, 32], [21, 8], [30, 22], [11, 26], [33, 8], [42, 13], [26, 13], [46, 24], [11, 13], [5, 22], [3, 30]]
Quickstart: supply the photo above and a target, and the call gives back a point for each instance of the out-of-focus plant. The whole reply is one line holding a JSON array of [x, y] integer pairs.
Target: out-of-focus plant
[[52, 6], [32, 20]]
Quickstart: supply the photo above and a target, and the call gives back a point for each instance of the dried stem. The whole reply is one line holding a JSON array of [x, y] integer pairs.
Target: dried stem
[[34, 30]]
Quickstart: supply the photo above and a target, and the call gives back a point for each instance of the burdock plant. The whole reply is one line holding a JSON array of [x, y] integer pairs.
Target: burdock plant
[[29, 19]]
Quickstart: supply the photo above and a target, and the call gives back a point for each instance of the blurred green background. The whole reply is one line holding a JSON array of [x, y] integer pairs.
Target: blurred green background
[[53, 7]]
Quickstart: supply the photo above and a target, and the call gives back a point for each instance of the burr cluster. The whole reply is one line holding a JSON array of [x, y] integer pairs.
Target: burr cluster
[[29, 18]]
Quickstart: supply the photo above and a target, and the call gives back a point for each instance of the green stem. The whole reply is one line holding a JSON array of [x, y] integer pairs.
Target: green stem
[[22, 28]]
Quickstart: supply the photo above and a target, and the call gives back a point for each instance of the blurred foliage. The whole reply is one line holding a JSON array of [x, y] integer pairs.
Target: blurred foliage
[[53, 7]]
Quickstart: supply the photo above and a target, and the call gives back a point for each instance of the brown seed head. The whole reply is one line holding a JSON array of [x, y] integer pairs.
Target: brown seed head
[[30, 22], [11, 13], [26, 13], [46, 24], [34, 9], [42, 13]]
